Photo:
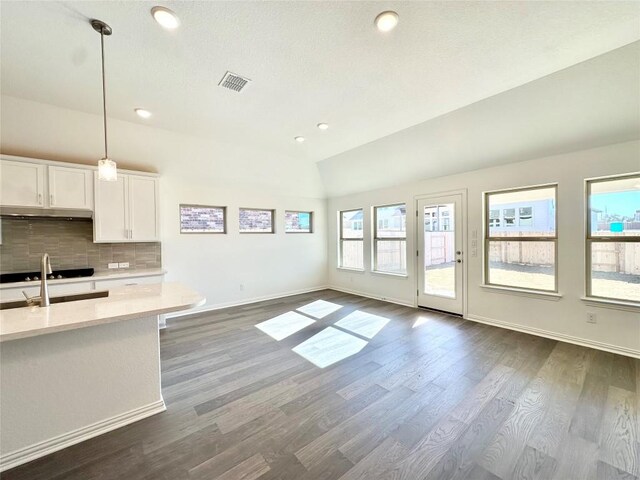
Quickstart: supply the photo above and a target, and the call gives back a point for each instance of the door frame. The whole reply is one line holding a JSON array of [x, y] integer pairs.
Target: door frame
[[463, 227]]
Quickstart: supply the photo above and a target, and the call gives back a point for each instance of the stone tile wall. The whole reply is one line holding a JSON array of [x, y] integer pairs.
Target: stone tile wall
[[70, 245]]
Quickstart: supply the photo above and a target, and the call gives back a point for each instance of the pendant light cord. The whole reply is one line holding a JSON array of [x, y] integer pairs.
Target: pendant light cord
[[104, 94]]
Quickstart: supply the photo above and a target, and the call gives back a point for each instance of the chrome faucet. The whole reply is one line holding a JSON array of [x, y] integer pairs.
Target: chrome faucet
[[43, 299], [45, 269]]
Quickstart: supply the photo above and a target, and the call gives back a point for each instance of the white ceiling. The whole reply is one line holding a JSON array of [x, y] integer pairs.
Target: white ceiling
[[309, 62], [588, 105]]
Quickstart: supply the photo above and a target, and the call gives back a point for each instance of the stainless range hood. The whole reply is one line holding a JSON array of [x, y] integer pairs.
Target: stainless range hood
[[44, 212]]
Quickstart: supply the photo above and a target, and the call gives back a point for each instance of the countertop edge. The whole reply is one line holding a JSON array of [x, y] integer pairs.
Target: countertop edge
[[96, 322], [96, 277]]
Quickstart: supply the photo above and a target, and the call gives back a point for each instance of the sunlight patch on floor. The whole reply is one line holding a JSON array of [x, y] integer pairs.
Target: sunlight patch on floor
[[329, 346], [319, 308], [362, 323], [420, 321], [284, 325]]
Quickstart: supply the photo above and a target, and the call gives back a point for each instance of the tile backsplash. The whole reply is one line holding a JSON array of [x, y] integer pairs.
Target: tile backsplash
[[69, 244]]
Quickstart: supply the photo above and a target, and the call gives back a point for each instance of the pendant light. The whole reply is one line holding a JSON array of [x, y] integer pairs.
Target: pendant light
[[106, 168]]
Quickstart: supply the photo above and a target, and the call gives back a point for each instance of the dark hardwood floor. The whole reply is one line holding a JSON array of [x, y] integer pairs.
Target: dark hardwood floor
[[430, 396]]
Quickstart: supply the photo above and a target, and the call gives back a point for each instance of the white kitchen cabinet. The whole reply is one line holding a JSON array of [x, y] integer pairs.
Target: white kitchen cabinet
[[70, 187], [22, 184], [126, 210], [111, 210], [143, 208]]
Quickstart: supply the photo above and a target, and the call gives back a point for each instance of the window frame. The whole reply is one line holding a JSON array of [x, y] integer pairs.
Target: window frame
[[590, 239], [273, 220], [191, 205], [342, 239], [311, 215], [487, 238], [375, 239]]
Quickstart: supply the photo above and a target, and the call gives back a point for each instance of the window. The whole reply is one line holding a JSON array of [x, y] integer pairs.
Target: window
[[521, 255], [253, 220], [613, 238], [525, 216], [494, 218], [351, 240], [390, 239], [203, 219], [298, 222], [509, 215]]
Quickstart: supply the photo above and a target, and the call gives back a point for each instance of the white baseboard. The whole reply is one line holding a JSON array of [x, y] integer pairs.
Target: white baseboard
[[40, 449], [220, 306], [368, 295], [583, 342]]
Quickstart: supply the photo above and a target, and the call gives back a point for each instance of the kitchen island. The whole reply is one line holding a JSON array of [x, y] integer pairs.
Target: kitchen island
[[75, 370]]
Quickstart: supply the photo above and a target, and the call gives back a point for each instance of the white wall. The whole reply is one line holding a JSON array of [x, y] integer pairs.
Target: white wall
[[618, 330], [195, 170]]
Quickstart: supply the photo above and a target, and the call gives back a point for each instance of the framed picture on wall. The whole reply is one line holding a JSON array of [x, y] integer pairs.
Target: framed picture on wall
[[203, 219]]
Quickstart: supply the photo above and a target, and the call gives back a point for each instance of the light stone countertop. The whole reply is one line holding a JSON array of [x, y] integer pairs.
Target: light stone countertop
[[123, 303], [103, 275]]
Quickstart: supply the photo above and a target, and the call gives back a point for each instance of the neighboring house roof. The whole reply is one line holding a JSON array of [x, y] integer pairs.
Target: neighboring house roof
[[359, 215]]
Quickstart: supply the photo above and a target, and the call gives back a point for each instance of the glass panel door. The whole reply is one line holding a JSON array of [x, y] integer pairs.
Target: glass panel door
[[440, 253]]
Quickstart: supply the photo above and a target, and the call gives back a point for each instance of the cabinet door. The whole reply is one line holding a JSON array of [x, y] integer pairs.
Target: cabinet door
[[21, 184], [70, 188], [143, 208], [111, 216]]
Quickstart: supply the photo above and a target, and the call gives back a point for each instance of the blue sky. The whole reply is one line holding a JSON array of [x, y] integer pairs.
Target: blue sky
[[621, 203]]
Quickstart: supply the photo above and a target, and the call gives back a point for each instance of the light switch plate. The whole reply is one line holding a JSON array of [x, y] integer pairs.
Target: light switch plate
[[123, 265], [113, 265]]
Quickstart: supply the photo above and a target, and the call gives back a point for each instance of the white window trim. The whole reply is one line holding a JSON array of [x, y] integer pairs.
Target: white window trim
[[487, 239], [341, 239], [376, 239], [524, 292], [589, 240]]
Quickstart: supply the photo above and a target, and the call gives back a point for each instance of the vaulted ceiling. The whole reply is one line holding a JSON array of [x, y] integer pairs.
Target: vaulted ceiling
[[308, 62]]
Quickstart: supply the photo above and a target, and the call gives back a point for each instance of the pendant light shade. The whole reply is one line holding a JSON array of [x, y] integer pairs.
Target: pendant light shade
[[107, 169]]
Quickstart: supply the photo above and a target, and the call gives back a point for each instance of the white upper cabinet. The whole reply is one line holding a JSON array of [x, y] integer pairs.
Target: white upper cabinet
[[126, 210], [70, 187], [111, 212], [143, 208], [22, 184]]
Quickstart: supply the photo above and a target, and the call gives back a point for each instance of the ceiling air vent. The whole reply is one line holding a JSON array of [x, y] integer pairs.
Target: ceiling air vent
[[233, 82]]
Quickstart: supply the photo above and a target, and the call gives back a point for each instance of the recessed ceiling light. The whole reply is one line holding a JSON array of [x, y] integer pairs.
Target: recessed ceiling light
[[142, 113], [165, 17], [299, 139], [323, 126], [386, 21]]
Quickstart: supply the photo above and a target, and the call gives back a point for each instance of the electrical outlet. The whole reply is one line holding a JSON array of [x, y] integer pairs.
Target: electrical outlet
[[123, 265], [113, 265], [591, 317]]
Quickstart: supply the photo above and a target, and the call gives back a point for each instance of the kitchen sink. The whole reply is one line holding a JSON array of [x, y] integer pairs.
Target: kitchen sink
[[59, 299]]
